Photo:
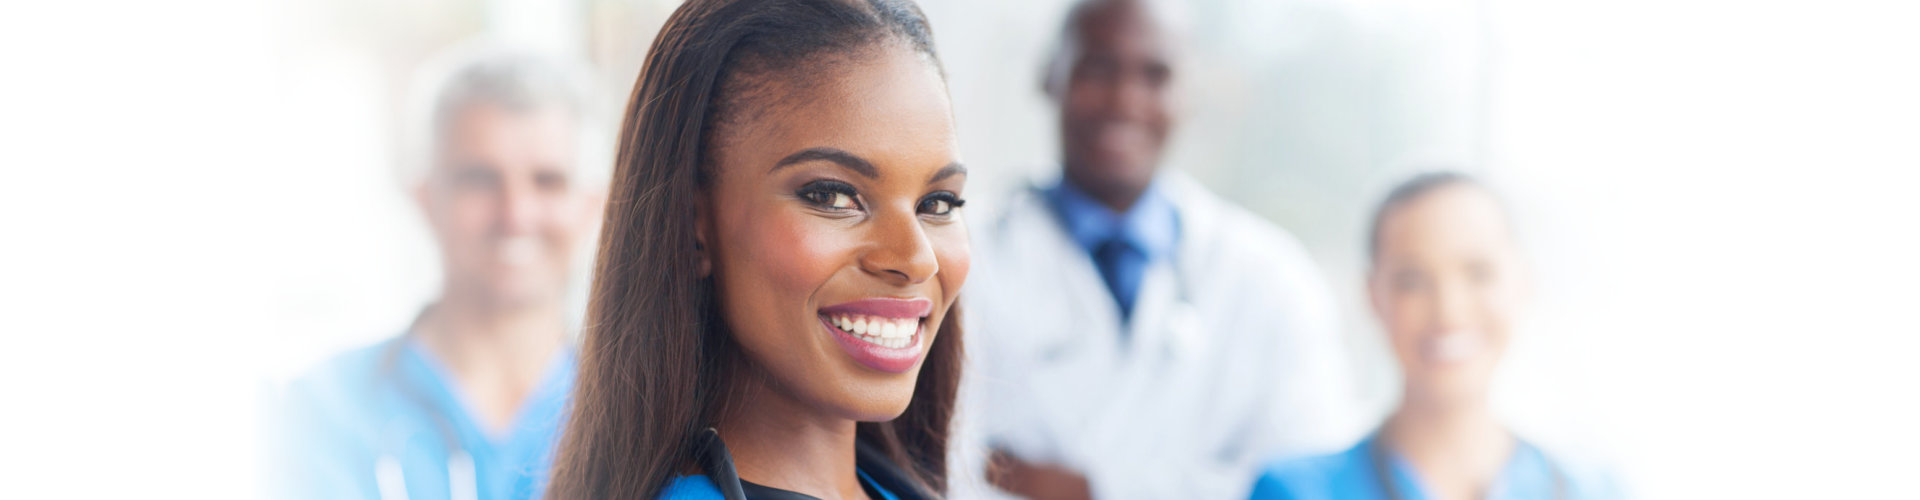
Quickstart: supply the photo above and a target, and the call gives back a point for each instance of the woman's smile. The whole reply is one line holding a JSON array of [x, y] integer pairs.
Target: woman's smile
[[1452, 347], [882, 333]]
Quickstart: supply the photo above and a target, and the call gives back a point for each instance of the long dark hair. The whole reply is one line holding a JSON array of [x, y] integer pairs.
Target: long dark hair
[[656, 354]]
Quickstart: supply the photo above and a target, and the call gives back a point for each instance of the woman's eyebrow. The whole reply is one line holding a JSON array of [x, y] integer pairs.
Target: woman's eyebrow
[[843, 158], [952, 169]]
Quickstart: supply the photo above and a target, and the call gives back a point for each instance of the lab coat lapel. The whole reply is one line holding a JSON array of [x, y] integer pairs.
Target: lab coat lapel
[[1167, 333], [1166, 328], [1082, 359], [1084, 290], [1195, 252]]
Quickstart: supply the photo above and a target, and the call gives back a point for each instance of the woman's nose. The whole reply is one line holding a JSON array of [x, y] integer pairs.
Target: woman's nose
[[900, 251], [1453, 303]]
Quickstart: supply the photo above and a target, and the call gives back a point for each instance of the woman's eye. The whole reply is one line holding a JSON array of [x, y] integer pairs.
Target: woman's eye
[[836, 200], [830, 195], [941, 204]]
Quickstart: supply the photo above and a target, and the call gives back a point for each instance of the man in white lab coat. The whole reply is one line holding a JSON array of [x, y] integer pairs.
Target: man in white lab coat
[[1133, 335]]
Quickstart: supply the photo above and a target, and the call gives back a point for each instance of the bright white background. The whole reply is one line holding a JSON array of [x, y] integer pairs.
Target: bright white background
[[1721, 199]]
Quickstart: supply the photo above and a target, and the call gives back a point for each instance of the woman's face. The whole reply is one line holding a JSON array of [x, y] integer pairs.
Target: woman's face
[[1446, 285], [834, 232]]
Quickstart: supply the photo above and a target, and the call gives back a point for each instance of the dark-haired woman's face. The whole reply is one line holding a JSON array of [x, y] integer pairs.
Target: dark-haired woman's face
[[834, 232], [1446, 285]]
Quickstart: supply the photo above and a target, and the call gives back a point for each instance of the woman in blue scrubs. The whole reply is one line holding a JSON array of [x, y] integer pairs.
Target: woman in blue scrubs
[[1446, 283], [773, 314]]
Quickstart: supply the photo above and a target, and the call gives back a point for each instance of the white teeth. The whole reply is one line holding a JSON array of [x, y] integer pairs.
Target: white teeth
[[905, 328], [885, 332], [1452, 347]]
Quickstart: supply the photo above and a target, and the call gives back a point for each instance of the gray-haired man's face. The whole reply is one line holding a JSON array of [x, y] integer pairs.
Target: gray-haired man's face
[[505, 205]]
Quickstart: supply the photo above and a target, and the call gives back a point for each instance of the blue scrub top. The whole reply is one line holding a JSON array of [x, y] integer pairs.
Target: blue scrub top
[[1350, 475], [698, 487], [394, 404]]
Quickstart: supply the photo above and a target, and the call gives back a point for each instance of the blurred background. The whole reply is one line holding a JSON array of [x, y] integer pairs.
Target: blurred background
[[200, 198]]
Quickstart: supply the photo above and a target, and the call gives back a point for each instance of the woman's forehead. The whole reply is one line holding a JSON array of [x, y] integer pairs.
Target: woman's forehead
[[1451, 216], [888, 109]]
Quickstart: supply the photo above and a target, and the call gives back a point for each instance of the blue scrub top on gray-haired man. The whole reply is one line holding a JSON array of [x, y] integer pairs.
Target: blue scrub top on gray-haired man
[[466, 402]]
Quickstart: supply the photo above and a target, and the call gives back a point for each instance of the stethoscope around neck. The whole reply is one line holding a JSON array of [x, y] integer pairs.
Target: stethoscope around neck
[[1181, 316], [463, 482]]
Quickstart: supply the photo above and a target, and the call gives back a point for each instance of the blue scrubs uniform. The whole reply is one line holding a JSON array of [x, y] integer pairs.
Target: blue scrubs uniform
[[699, 487], [1351, 474], [390, 414]]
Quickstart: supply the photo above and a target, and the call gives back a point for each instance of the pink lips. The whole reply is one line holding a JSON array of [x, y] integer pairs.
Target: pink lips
[[886, 359], [885, 306]]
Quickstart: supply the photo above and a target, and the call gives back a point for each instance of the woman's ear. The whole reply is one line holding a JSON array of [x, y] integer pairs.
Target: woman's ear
[[702, 228]]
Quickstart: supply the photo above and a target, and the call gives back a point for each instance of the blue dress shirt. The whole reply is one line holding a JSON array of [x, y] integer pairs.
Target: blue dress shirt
[[1122, 244]]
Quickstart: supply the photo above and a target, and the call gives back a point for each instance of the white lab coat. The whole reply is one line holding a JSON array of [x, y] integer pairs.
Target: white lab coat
[[1232, 357]]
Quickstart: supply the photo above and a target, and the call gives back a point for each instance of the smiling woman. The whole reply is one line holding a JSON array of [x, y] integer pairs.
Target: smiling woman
[[773, 307], [1449, 285]]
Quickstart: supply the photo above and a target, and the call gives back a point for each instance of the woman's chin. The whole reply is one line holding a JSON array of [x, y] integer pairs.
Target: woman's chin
[[880, 405], [1456, 383], [878, 414]]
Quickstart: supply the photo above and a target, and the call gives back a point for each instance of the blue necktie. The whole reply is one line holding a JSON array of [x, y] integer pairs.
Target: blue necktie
[[1121, 264]]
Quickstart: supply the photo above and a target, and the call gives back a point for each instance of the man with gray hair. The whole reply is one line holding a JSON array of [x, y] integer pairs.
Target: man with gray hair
[[1135, 335], [467, 402]]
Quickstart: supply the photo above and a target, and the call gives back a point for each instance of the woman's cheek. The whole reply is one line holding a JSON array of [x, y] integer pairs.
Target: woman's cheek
[[1499, 331], [803, 251], [955, 253], [1406, 319], [1402, 316]]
